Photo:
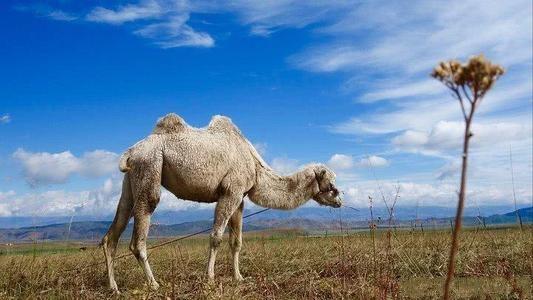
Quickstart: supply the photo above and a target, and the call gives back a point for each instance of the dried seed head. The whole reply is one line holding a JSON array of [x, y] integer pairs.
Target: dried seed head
[[478, 74]]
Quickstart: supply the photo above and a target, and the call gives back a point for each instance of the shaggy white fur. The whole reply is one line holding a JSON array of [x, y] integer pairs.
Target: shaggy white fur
[[212, 164]]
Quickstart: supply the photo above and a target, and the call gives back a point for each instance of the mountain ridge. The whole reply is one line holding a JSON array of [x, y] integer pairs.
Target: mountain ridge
[[169, 217], [94, 230]]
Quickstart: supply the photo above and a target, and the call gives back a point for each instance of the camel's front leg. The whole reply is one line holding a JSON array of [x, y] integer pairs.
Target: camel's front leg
[[235, 239], [225, 207]]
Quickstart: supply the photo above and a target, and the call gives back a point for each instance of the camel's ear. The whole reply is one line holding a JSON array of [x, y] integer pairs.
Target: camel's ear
[[320, 174]]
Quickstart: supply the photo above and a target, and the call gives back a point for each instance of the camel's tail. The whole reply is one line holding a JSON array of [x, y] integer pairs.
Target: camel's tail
[[123, 164]]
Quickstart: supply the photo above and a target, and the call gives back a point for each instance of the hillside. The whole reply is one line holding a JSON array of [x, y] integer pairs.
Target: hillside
[[94, 230], [169, 217]]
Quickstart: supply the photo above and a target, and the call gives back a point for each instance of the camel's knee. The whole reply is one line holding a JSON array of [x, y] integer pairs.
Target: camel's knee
[[109, 240], [137, 251], [235, 244], [109, 245], [105, 240], [133, 248], [215, 239]]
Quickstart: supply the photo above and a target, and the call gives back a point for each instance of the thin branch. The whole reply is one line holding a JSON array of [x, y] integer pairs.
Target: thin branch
[[518, 218], [391, 211], [377, 182], [466, 94], [460, 99]]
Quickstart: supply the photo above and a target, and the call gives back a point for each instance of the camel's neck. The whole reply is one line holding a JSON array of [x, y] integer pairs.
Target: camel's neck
[[282, 192]]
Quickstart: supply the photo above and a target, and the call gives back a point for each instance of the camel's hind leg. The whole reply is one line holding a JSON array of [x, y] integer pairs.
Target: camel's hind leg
[[138, 244], [235, 239], [146, 187], [110, 240]]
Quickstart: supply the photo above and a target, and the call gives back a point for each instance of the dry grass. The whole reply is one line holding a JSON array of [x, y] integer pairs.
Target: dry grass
[[491, 264]]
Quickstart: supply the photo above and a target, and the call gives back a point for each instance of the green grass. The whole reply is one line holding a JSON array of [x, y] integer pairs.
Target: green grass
[[38, 249], [285, 265]]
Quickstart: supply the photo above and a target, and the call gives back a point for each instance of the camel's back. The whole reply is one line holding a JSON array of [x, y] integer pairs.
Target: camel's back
[[220, 143], [197, 160]]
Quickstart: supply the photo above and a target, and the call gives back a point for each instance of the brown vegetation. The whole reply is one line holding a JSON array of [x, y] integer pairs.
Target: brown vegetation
[[285, 265]]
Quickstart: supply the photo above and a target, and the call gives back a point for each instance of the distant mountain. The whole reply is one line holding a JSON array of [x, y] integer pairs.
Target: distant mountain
[[95, 230], [78, 231], [314, 220], [314, 213], [526, 214]]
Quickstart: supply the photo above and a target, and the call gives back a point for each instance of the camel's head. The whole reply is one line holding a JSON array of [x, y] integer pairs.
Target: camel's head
[[326, 193]]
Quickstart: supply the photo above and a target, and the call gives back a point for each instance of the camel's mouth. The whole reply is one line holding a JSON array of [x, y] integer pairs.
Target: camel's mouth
[[329, 197]]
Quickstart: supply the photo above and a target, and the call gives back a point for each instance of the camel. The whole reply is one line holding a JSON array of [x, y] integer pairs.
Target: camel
[[212, 164]]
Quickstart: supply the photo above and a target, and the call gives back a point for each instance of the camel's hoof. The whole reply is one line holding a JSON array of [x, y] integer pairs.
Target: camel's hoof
[[114, 289], [154, 286], [238, 278], [116, 292]]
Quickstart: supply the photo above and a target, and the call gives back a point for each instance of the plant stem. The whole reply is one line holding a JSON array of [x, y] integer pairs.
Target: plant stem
[[460, 206], [518, 217]]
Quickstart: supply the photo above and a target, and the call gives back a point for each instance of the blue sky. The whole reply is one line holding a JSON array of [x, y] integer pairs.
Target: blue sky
[[344, 83]]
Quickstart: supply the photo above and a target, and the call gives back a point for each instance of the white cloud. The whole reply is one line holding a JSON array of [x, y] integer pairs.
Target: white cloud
[[5, 209], [449, 170], [164, 22], [345, 162], [48, 203], [420, 113], [266, 17], [341, 162], [373, 161], [175, 33], [60, 15], [329, 59], [98, 163], [47, 167], [284, 165], [126, 13], [413, 38], [427, 87], [263, 17], [44, 168], [422, 194], [411, 139], [46, 11], [5, 119], [101, 201], [447, 135]]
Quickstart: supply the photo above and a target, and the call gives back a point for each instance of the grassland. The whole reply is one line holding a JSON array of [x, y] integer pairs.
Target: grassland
[[492, 264]]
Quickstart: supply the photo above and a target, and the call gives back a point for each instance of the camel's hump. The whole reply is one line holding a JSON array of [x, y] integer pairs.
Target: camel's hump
[[223, 124], [169, 124]]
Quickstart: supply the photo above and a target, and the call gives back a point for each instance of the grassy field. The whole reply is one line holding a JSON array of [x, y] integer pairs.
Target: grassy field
[[492, 264]]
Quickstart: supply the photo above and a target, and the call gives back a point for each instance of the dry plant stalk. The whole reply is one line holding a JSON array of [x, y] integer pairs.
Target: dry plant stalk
[[372, 234], [518, 217], [469, 83]]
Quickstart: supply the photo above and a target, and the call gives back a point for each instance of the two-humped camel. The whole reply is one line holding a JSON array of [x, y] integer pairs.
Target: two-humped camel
[[215, 164]]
